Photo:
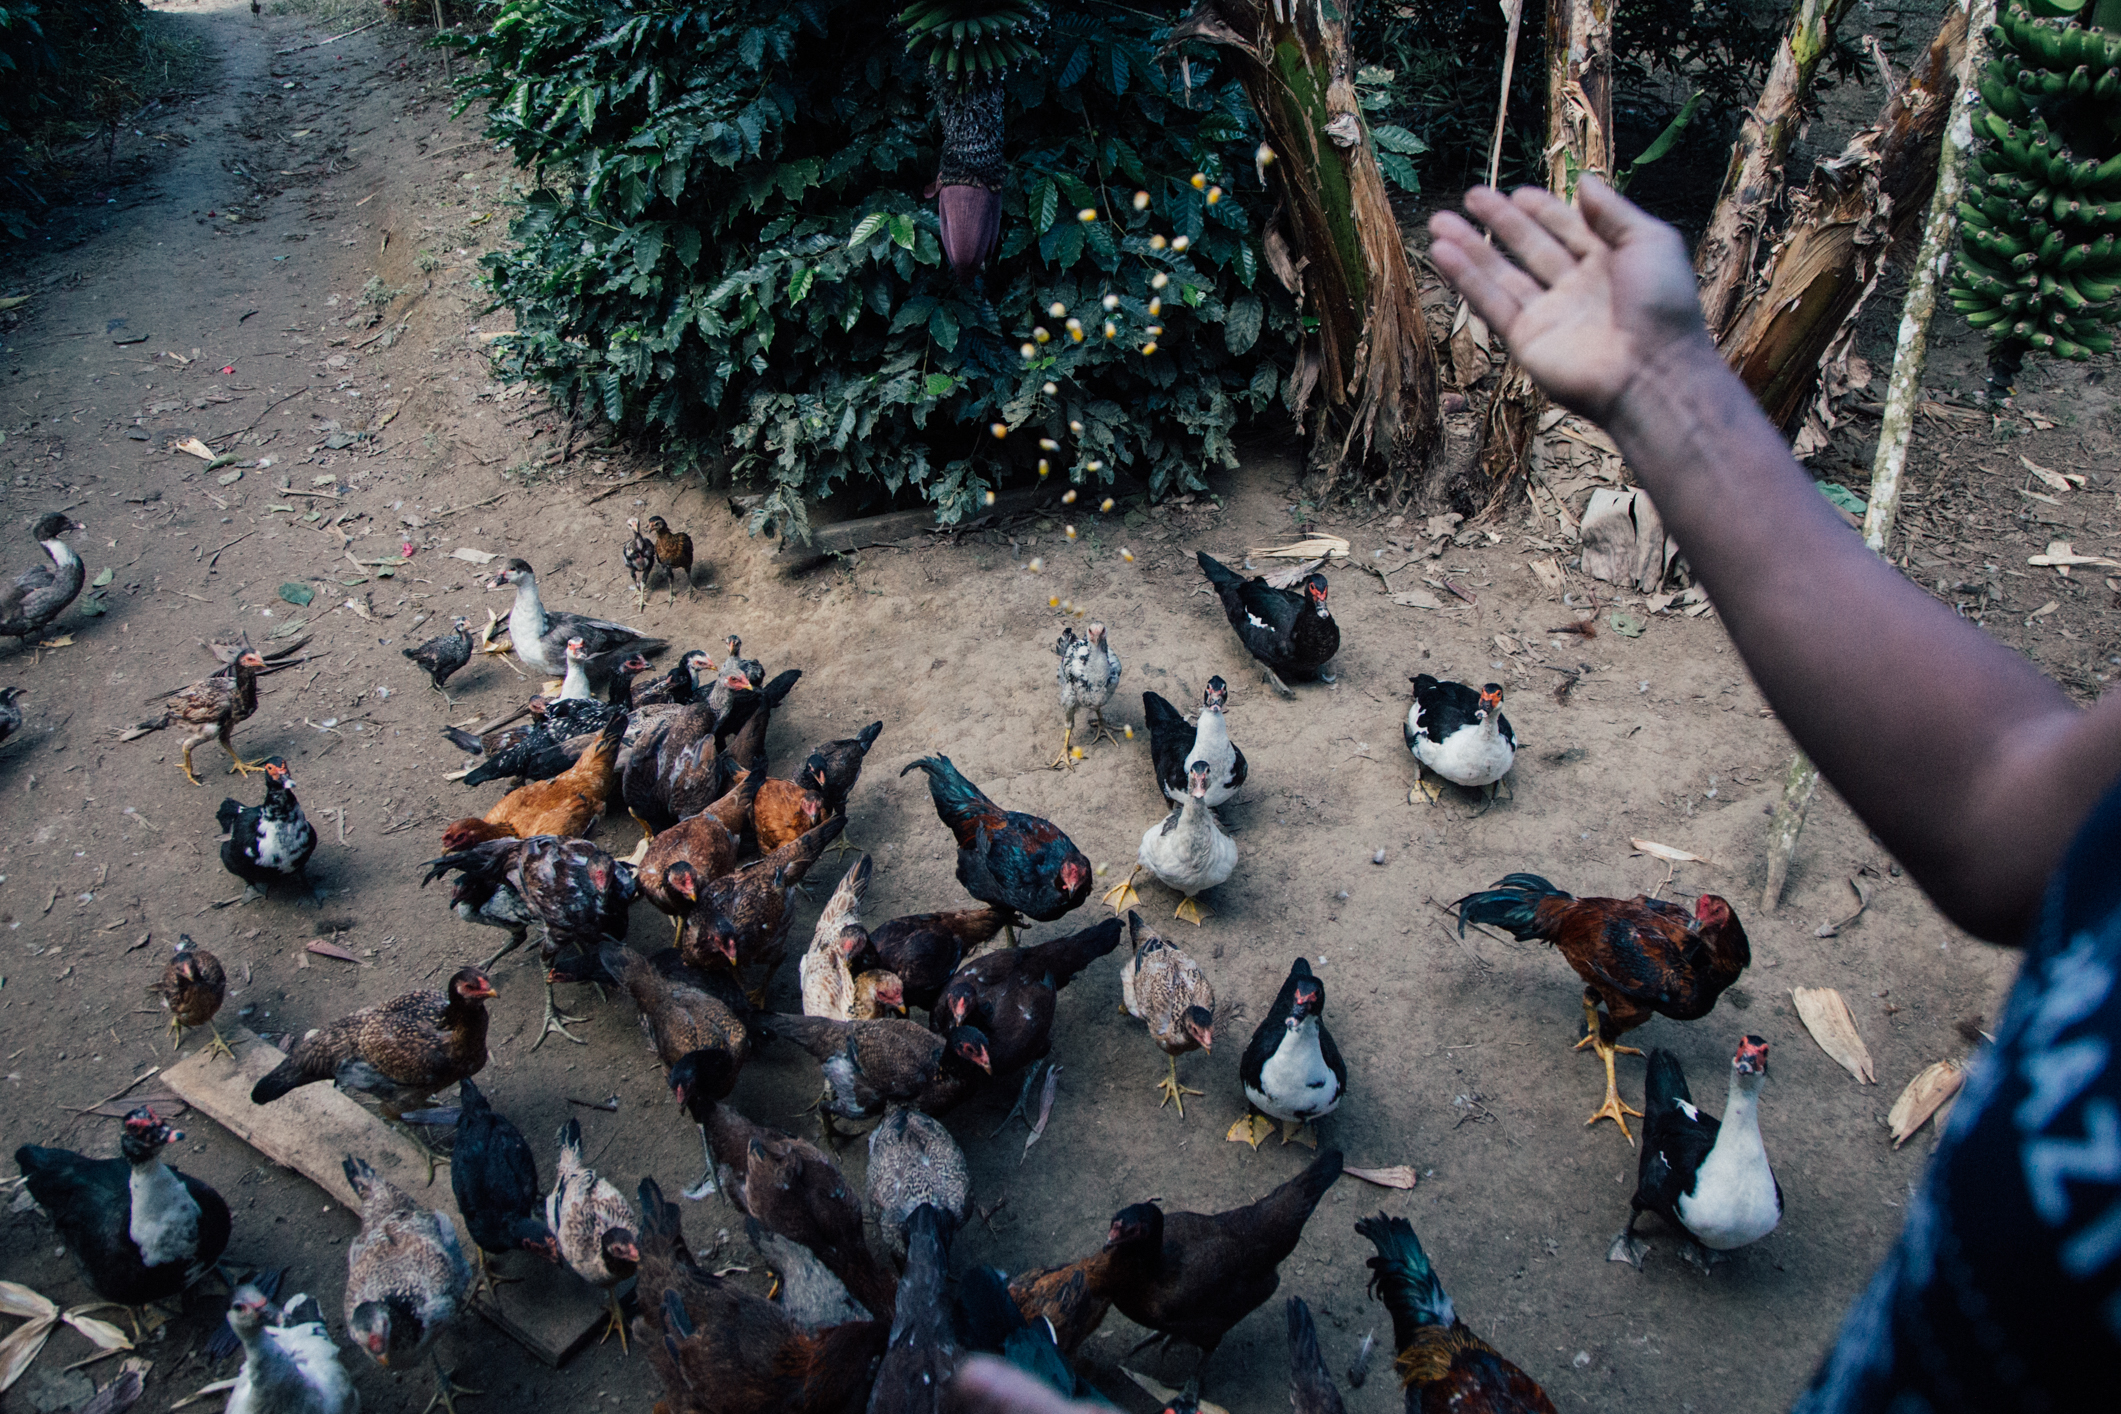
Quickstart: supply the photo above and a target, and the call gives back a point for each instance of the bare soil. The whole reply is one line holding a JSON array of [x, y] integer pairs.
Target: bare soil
[[301, 258]]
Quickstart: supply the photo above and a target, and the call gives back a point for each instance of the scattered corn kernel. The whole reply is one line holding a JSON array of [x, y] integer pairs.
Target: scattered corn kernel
[[1155, 329], [1088, 213], [1047, 444], [999, 429], [1076, 333], [1181, 242], [1053, 601], [1265, 156], [1029, 351], [1068, 498], [1093, 465], [1076, 428], [1045, 468], [1215, 194], [1036, 564], [1127, 555], [1077, 752], [1111, 302], [1041, 334], [1157, 242], [1071, 532], [1156, 306], [1127, 729], [1149, 348], [1200, 180], [1057, 310], [1141, 201], [1159, 280], [1111, 330], [1106, 506], [1049, 388], [990, 498]]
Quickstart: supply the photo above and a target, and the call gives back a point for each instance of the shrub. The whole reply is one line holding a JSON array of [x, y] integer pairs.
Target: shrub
[[725, 249]]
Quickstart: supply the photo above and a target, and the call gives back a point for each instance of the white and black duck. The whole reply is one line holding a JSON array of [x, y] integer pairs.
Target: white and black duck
[[268, 842], [1458, 733], [1292, 1071], [540, 637], [41, 593], [1175, 744], [1708, 1178]]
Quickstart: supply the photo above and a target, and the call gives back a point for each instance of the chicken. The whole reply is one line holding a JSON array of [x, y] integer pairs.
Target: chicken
[[1088, 676], [214, 705], [593, 1224], [1710, 1179], [914, 1377], [192, 988], [1009, 994], [834, 767], [672, 773], [870, 1064], [271, 841], [1071, 1300], [494, 1177], [1638, 956], [683, 1011], [912, 1161], [41, 593], [752, 667], [485, 890], [1441, 1363], [877, 994], [533, 749], [639, 557], [569, 803], [405, 1049], [581, 895], [290, 1366], [794, 1189], [1192, 1276], [673, 555], [540, 638], [785, 810], [988, 1320], [140, 1230], [1459, 734], [443, 655], [743, 918], [679, 684], [471, 831], [718, 1349], [1016, 862], [924, 949], [1165, 989], [677, 863], [10, 712], [1292, 1071], [405, 1277], [1174, 746], [1291, 633], [1311, 1387], [1188, 851], [825, 969]]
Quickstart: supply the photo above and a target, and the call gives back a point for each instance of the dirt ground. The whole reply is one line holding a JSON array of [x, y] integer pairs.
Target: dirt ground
[[297, 242]]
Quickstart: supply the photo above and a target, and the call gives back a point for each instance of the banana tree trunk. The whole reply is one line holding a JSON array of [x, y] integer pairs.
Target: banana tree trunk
[[1751, 184], [1334, 242], [1857, 207], [1579, 140]]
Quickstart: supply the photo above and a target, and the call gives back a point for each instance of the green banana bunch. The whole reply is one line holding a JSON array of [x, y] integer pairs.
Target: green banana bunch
[[2040, 221], [970, 39]]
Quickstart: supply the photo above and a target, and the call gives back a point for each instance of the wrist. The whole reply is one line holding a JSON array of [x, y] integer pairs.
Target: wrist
[[1667, 387]]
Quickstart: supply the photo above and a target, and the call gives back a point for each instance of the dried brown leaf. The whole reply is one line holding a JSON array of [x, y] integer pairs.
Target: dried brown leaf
[[1924, 1095], [1397, 1176], [1827, 1017]]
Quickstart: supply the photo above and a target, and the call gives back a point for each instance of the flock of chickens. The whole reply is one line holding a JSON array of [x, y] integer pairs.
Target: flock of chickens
[[727, 845]]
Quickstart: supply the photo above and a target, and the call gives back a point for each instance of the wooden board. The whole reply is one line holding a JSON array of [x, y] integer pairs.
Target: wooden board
[[551, 1313]]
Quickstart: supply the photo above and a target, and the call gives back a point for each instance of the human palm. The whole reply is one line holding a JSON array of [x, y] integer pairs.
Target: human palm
[[1598, 295]]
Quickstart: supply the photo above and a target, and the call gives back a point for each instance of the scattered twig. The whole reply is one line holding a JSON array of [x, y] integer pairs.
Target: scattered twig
[[610, 1106], [437, 515], [320, 43], [614, 490], [151, 1070], [237, 541]]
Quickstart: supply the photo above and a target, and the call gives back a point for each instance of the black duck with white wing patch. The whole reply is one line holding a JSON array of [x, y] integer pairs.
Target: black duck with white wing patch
[[269, 841], [1708, 1178], [1292, 1071], [1290, 631], [1458, 733]]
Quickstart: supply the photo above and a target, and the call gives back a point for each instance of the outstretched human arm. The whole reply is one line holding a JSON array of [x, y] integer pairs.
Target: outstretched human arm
[[1972, 768]]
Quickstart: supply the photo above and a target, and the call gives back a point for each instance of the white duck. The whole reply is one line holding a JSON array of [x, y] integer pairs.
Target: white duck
[[1459, 734], [541, 638], [290, 1366], [1188, 851], [1710, 1179]]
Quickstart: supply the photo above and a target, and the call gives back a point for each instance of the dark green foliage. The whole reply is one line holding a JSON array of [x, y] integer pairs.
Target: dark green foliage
[[727, 250], [56, 59]]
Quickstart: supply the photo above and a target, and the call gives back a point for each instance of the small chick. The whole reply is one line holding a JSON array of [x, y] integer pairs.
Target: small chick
[[444, 655], [192, 988]]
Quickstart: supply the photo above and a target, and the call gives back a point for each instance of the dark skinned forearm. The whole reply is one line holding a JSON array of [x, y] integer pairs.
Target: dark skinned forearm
[[1971, 767]]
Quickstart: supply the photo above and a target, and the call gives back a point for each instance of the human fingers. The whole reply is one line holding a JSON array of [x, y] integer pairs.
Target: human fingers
[[1475, 269], [1560, 220], [1448, 227], [1611, 217], [985, 1385], [1513, 221]]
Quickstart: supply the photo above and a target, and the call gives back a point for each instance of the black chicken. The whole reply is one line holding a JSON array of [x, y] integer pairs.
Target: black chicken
[[495, 1179], [1014, 861], [264, 843], [444, 655], [484, 891], [141, 1230], [10, 712], [1289, 632]]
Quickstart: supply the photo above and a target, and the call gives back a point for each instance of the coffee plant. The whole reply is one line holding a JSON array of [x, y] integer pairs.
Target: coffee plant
[[725, 248]]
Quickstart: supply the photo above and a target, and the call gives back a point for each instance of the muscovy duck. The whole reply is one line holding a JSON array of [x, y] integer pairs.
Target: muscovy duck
[[1459, 734], [1187, 850], [290, 1366], [269, 841], [1174, 745], [540, 637], [1290, 632], [1708, 1178], [41, 593], [1292, 1071]]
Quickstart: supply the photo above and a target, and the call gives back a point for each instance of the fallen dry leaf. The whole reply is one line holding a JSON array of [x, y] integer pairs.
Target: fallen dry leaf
[[2061, 554], [1827, 1017], [1417, 599], [1668, 854], [1397, 1176], [1548, 574], [1330, 547], [2061, 481], [1924, 1095], [324, 949], [196, 447], [471, 556]]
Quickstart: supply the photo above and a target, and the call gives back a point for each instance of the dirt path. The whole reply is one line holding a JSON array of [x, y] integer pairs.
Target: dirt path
[[303, 285]]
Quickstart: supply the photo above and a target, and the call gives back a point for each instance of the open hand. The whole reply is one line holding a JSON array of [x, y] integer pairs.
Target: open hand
[[1600, 291]]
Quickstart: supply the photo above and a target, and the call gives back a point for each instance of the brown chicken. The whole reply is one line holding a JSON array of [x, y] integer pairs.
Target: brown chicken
[[1073, 1298], [1192, 1276], [1639, 956], [793, 1189], [192, 988], [213, 705], [870, 1064], [924, 949], [679, 861], [403, 1050], [1010, 993], [784, 811], [742, 918], [721, 1350], [568, 804], [471, 830], [673, 555], [681, 1010], [1439, 1360]]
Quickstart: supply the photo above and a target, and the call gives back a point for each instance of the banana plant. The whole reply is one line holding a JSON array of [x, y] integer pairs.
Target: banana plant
[[2039, 264], [969, 46]]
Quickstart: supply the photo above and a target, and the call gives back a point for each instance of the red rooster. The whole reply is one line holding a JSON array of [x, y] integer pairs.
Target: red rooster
[[1638, 956], [1016, 862]]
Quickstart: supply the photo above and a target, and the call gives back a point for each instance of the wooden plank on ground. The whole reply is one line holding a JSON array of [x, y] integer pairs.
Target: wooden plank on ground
[[551, 1313]]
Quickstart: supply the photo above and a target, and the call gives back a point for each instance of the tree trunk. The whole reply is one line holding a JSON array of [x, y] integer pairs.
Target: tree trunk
[[1723, 261], [1579, 140], [1334, 242], [1856, 208]]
